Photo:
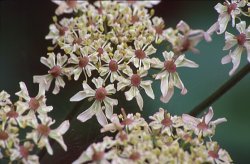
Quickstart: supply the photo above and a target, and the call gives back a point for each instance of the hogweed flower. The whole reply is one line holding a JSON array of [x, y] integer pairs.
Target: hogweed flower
[[203, 126], [168, 75], [140, 144], [42, 132], [33, 104], [134, 82], [227, 12], [242, 40], [56, 72], [100, 95]]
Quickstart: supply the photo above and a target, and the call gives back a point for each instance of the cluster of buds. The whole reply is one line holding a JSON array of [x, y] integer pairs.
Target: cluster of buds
[[25, 126], [112, 44], [229, 11], [166, 139]]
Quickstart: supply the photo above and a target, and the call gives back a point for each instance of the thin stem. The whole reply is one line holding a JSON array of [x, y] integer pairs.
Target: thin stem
[[222, 90]]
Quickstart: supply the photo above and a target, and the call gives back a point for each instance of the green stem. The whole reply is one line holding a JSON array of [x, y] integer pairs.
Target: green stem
[[221, 91]]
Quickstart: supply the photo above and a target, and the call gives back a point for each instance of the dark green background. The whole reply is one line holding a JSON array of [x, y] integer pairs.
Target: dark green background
[[24, 24]]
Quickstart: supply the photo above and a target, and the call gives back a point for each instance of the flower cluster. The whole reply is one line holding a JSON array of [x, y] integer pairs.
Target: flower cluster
[[112, 44], [29, 115], [229, 11], [166, 139]]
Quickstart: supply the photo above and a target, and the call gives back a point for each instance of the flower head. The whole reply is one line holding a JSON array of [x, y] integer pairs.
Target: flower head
[[100, 95]]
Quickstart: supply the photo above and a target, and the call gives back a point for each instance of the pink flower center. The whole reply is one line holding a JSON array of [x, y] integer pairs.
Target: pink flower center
[[98, 155], [24, 152], [166, 122], [170, 66], [126, 121], [100, 51], [34, 104], [231, 7], [159, 29], [140, 54], [43, 129], [83, 61], [77, 41], [113, 66], [135, 80], [123, 136], [186, 45], [202, 125], [134, 19], [71, 3], [3, 135], [61, 29], [241, 38], [100, 94], [135, 156], [55, 71], [213, 154], [12, 114]]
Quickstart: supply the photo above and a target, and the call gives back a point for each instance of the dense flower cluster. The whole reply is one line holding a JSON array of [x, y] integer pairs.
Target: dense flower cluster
[[110, 47], [166, 139], [112, 43], [229, 11], [29, 115]]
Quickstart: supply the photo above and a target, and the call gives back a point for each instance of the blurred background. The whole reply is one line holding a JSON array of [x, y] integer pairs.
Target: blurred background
[[24, 24]]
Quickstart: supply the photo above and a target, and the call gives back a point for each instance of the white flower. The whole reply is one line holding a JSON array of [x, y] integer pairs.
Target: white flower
[[134, 82], [163, 121], [101, 48], [42, 132], [83, 63], [228, 10], [59, 31], [8, 135], [68, 6], [158, 26], [242, 41], [188, 38], [202, 126], [168, 76], [56, 72], [22, 153], [113, 66], [4, 98], [96, 152], [101, 96], [33, 104], [140, 55], [216, 154]]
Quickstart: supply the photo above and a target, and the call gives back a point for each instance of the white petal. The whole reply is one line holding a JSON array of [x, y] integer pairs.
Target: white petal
[[87, 114], [139, 101], [220, 8], [98, 82], [101, 117], [63, 127], [226, 59], [223, 21], [24, 92], [167, 97], [209, 115], [164, 85], [236, 56], [81, 95], [150, 50], [146, 85], [190, 120], [131, 93], [241, 27]]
